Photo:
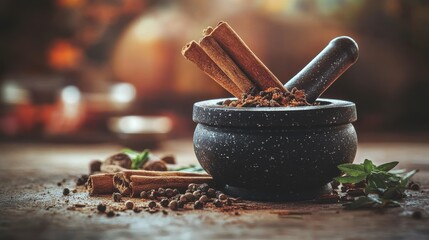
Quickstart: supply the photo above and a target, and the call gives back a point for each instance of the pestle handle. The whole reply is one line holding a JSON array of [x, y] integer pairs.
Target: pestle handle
[[325, 68]]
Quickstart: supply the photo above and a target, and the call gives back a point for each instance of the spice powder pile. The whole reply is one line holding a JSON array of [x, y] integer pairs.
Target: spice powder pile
[[271, 97]]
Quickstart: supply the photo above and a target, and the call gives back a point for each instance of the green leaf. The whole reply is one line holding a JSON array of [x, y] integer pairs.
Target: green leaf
[[368, 166], [363, 202], [137, 159], [387, 166], [408, 175], [397, 171], [190, 168], [352, 169], [350, 179]]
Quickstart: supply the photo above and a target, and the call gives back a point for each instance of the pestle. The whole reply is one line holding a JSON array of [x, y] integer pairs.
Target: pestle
[[325, 68]]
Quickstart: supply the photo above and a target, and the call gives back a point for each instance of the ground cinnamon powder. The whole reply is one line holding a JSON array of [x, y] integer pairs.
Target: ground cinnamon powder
[[271, 97]]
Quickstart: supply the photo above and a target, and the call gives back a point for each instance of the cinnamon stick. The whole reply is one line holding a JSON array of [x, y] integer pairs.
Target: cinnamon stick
[[146, 183], [101, 184], [122, 179], [249, 63], [228, 66], [194, 53]]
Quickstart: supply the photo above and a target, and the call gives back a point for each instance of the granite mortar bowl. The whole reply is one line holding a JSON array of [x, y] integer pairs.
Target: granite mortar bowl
[[281, 153]]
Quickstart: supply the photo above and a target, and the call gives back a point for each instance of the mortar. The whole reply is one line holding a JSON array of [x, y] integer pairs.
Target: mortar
[[282, 153]]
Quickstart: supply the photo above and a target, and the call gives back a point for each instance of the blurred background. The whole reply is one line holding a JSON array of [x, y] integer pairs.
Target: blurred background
[[111, 71]]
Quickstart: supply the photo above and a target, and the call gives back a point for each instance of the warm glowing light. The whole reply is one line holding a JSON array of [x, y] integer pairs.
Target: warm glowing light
[[122, 93], [70, 95], [139, 124]]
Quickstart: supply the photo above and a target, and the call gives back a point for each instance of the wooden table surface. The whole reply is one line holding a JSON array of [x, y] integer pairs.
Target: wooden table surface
[[32, 206]]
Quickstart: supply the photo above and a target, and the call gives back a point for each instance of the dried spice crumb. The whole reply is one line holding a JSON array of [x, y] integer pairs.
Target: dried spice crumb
[[271, 97]]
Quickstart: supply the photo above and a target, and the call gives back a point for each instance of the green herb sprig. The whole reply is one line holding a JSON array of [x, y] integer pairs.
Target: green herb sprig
[[383, 185], [138, 159]]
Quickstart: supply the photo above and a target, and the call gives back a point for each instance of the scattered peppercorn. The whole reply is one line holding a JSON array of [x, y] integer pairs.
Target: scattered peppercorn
[[173, 205], [203, 199], [164, 202], [222, 197], [181, 204], [198, 205], [414, 186], [116, 197], [204, 187], [211, 193], [101, 207], [197, 194], [129, 204], [110, 214], [217, 203], [82, 180], [183, 198], [137, 209], [169, 192], [192, 187], [175, 192], [161, 191], [189, 196], [59, 184], [151, 204], [66, 191], [144, 194]]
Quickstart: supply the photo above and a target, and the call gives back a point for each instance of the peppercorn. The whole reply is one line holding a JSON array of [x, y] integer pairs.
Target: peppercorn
[[101, 207], [169, 192], [188, 191], [164, 202], [189, 196], [228, 202], [129, 204], [116, 197], [183, 198], [161, 191], [137, 209], [197, 194], [198, 205], [66, 191], [82, 180], [144, 194], [181, 204], [203, 187], [222, 197], [173, 205], [414, 187], [151, 204], [211, 192], [203, 199], [192, 187], [110, 214], [175, 192], [152, 195], [217, 203], [217, 193]]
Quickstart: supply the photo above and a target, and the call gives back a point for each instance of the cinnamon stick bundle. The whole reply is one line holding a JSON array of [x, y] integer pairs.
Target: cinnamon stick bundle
[[226, 52], [122, 180], [101, 184], [194, 53], [237, 49], [146, 183]]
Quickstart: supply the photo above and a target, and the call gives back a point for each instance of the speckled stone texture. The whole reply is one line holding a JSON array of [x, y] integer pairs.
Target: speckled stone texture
[[279, 150]]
